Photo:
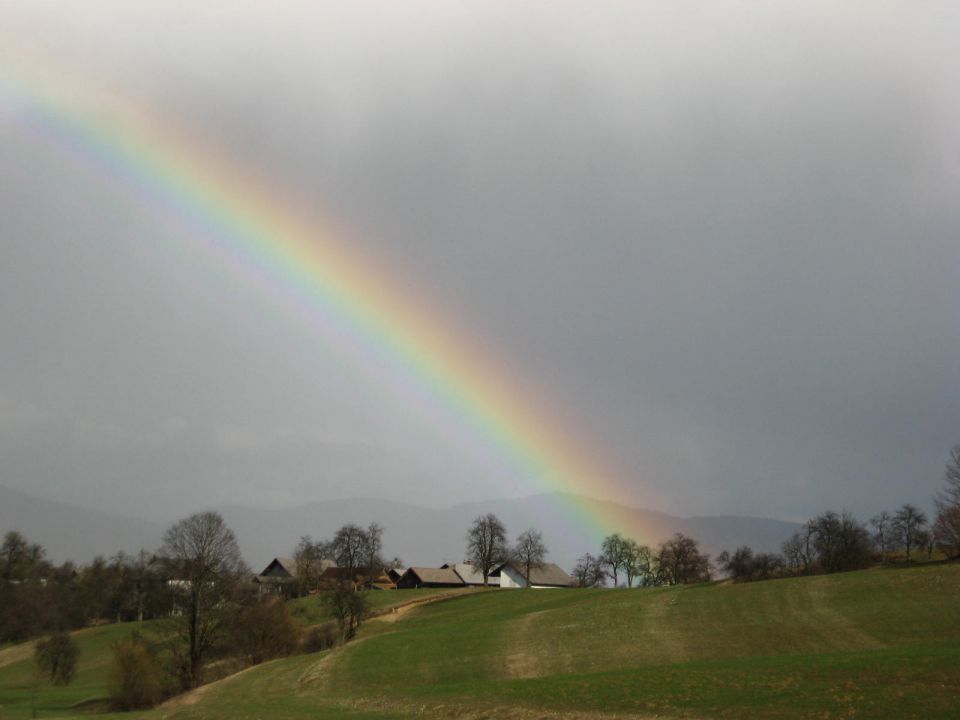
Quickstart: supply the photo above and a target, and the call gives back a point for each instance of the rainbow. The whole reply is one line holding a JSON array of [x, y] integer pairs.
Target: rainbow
[[311, 268]]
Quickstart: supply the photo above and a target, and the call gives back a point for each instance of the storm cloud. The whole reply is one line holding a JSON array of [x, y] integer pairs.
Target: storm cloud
[[720, 240]]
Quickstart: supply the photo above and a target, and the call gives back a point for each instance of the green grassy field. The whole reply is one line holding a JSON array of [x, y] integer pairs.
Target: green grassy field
[[88, 689], [874, 644]]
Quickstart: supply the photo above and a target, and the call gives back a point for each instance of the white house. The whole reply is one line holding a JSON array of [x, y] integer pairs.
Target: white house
[[548, 575]]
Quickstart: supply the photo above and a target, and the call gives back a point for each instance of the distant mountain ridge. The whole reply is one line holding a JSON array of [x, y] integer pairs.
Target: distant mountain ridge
[[418, 535]]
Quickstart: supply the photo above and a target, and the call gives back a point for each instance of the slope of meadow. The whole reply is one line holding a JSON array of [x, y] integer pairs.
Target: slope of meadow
[[877, 643], [20, 687]]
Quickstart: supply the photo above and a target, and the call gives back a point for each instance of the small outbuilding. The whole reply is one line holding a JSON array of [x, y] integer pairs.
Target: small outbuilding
[[418, 577]]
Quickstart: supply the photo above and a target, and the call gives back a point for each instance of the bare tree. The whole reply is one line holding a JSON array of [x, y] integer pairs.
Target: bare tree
[[57, 657], [946, 526], [372, 547], [793, 553], [950, 494], [615, 552], [841, 542], [882, 523], [739, 566], [529, 552], [908, 527], [349, 548], [589, 571], [679, 561], [487, 544], [307, 556], [637, 563], [946, 529], [349, 608], [205, 559]]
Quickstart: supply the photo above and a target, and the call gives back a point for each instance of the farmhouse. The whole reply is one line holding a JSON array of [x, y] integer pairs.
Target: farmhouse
[[547, 575], [470, 574], [418, 577], [280, 575]]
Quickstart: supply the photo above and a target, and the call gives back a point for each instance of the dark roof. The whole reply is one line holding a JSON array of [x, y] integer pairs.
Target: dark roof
[[472, 575], [281, 567], [547, 574], [445, 576]]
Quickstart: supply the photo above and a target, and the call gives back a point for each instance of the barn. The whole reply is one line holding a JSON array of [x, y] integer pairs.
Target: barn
[[418, 577], [279, 577], [547, 575], [471, 575]]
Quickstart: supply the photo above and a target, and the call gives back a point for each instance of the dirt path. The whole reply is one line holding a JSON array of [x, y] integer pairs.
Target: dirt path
[[397, 612], [522, 660], [667, 636]]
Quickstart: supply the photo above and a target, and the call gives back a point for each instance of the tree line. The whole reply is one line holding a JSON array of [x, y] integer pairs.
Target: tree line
[[838, 542], [677, 561]]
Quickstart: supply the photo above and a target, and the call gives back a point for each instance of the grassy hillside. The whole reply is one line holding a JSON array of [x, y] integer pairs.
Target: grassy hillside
[[88, 689], [870, 644], [851, 645]]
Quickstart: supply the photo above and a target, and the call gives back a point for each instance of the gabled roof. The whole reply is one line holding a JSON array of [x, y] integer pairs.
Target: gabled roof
[[547, 574], [471, 575], [288, 566], [436, 575], [284, 564]]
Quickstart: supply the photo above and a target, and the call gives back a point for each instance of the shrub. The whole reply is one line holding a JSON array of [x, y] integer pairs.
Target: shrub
[[322, 637], [57, 657], [136, 679], [265, 630]]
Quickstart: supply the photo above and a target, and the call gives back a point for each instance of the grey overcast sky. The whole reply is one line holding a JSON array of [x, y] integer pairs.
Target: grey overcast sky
[[722, 239]]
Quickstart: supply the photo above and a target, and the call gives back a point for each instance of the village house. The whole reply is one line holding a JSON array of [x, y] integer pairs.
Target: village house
[[420, 577], [470, 574], [547, 575], [279, 577]]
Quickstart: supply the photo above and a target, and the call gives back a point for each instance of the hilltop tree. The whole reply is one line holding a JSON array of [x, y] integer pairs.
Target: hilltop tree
[[205, 559], [589, 572], [946, 527], [882, 524], [908, 527], [307, 556], [529, 552], [349, 548], [487, 544], [679, 561], [372, 547], [21, 560], [616, 551], [949, 495], [841, 543], [637, 563], [739, 566]]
